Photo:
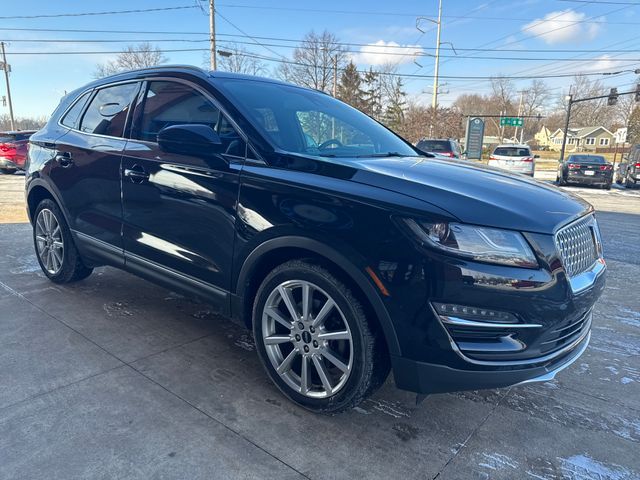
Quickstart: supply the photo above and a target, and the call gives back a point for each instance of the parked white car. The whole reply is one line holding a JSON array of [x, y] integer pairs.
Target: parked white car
[[514, 158]]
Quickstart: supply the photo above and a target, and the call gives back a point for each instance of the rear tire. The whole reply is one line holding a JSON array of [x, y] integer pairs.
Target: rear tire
[[345, 356], [561, 181], [56, 252], [628, 183]]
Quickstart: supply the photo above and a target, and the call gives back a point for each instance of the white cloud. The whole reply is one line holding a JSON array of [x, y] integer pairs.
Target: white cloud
[[605, 63], [563, 26], [381, 52]]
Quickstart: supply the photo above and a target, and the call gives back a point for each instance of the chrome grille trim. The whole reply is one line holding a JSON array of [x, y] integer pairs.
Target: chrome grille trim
[[577, 245]]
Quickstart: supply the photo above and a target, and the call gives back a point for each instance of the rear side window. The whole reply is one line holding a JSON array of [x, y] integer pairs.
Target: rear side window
[[107, 112], [512, 152], [72, 117]]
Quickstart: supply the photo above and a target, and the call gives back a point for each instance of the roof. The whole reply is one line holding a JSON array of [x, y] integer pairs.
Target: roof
[[581, 132], [517, 145]]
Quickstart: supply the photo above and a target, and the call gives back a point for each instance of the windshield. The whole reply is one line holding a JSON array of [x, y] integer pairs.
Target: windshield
[[512, 152], [312, 123], [587, 159], [434, 146]]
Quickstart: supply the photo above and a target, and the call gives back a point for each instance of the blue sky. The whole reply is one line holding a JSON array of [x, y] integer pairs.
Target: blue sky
[[38, 81]]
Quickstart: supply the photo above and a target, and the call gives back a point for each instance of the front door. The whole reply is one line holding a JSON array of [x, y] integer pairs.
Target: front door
[[179, 210]]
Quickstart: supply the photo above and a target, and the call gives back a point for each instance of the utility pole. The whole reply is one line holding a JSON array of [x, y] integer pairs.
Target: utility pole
[[515, 135], [335, 75], [6, 68], [566, 127], [434, 98], [212, 34]]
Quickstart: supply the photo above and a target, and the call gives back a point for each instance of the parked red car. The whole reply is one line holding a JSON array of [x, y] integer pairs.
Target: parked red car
[[13, 150]]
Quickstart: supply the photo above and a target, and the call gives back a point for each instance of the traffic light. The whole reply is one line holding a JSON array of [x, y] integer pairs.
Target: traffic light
[[613, 97], [638, 92]]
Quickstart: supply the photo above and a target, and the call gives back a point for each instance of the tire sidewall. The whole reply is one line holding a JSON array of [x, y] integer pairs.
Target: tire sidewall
[[66, 240], [354, 317]]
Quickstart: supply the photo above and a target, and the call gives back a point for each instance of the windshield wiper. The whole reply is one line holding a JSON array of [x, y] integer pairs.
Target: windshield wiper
[[385, 154]]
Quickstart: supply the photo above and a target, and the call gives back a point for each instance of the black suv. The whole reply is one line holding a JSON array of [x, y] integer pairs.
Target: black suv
[[346, 250], [628, 171], [446, 147]]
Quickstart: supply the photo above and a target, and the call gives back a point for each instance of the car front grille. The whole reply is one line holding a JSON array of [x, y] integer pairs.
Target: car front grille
[[577, 245]]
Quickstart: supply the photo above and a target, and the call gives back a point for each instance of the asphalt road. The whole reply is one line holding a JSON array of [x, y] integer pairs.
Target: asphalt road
[[114, 377]]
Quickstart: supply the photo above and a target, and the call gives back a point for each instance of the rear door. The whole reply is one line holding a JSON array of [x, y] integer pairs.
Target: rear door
[[86, 170], [179, 210]]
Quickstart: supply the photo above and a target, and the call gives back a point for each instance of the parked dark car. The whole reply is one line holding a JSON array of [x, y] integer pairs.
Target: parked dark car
[[584, 169], [628, 171], [13, 150], [445, 147], [347, 255]]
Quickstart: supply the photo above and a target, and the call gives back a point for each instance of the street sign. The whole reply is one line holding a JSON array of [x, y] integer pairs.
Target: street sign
[[475, 135], [511, 122], [621, 135]]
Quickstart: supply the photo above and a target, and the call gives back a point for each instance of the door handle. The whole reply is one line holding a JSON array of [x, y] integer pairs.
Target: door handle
[[136, 174], [64, 159]]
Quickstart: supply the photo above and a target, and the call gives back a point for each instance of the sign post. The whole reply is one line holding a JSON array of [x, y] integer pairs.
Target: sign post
[[474, 138]]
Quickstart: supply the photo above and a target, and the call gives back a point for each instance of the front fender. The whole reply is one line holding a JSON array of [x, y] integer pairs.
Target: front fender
[[356, 273]]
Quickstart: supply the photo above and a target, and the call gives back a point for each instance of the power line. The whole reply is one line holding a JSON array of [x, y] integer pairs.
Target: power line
[[86, 14], [399, 14]]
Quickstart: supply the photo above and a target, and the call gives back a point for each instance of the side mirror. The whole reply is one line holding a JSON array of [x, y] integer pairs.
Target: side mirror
[[189, 139], [536, 156]]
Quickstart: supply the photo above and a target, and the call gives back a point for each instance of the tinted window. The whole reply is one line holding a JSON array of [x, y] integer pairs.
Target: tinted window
[[304, 121], [434, 146], [72, 117], [587, 159], [4, 138], [512, 152], [107, 112], [173, 103]]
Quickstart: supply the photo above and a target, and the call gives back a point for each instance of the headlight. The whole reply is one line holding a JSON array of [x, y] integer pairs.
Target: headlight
[[483, 244]]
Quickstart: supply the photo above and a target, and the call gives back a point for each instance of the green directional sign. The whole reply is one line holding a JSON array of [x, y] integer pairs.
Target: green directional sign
[[511, 122]]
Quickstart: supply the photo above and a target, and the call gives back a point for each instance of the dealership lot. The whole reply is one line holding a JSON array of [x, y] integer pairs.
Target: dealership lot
[[114, 377]]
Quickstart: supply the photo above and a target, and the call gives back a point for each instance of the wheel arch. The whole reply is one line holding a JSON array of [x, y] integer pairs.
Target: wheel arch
[[37, 191], [276, 251]]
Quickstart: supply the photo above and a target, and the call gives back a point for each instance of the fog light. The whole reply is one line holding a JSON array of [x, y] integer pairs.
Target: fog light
[[474, 313]]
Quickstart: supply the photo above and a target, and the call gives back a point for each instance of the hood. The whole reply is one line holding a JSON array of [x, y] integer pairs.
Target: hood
[[475, 193]]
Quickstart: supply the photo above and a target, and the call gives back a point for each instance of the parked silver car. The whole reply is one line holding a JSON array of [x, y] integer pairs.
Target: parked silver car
[[514, 158]]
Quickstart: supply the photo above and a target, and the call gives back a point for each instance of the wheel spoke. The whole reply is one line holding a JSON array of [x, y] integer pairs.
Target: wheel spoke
[[40, 223], [41, 238], [323, 374], [49, 261], [326, 353], [304, 376], [58, 244], [58, 256], [340, 335], [324, 311], [54, 261], [56, 231], [285, 294], [273, 313], [277, 339], [285, 366], [47, 220], [306, 300]]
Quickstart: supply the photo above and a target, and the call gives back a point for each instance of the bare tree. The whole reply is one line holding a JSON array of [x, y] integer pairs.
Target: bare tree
[[240, 61], [132, 57], [503, 95], [313, 61], [418, 118], [534, 100], [29, 123], [592, 113]]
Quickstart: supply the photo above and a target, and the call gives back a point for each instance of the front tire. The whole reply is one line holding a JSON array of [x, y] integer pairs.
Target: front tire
[[56, 252], [314, 340]]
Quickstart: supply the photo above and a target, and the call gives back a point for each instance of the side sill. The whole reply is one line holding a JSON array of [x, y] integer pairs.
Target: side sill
[[174, 280]]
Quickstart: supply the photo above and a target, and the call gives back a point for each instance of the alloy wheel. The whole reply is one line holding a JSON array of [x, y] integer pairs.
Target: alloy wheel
[[49, 242], [307, 339]]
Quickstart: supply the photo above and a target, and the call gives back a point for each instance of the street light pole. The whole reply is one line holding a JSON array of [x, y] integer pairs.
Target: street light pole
[[566, 127], [434, 98], [5, 67], [212, 34]]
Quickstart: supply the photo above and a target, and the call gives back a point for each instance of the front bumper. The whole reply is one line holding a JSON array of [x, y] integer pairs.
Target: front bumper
[[426, 378]]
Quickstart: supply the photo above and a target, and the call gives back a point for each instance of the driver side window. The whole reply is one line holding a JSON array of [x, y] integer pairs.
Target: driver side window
[[172, 103]]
